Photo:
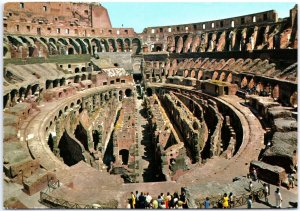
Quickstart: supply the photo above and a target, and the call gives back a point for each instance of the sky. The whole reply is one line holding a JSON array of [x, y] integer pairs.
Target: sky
[[139, 15]]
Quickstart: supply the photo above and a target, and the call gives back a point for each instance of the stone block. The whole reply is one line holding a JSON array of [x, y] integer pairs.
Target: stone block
[[268, 173], [38, 182]]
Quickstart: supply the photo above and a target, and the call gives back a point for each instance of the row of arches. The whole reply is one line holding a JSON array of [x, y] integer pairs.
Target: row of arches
[[239, 39], [34, 46], [61, 147]]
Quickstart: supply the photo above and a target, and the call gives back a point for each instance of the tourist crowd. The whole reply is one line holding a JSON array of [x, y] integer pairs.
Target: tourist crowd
[[162, 201], [175, 201]]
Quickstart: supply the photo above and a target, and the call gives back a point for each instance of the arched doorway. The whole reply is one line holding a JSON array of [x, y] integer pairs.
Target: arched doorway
[[70, 51], [81, 135], [69, 150], [124, 153], [128, 92]]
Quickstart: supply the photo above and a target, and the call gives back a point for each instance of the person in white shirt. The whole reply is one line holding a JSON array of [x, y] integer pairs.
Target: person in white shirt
[[266, 192], [148, 200], [278, 198]]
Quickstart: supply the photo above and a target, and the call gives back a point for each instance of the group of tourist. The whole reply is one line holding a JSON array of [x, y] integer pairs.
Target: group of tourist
[[146, 201]]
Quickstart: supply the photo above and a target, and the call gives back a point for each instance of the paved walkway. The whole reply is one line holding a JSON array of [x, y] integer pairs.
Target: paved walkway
[[287, 197], [16, 190]]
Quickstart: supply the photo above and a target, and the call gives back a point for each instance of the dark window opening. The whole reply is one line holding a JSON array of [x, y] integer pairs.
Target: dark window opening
[[45, 8], [160, 29], [18, 27], [124, 153], [242, 20], [265, 17], [221, 24], [195, 27], [128, 92], [177, 28], [22, 5]]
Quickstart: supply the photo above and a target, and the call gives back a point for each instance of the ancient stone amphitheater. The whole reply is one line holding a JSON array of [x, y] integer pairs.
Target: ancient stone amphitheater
[[92, 112]]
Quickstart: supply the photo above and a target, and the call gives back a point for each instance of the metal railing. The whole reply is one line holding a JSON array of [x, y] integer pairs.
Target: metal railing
[[54, 202], [238, 201]]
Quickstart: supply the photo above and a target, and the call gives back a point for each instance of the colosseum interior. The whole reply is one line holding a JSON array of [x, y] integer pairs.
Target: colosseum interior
[[92, 113]]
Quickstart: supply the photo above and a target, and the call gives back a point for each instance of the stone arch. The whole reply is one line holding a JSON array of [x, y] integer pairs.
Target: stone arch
[[88, 44], [127, 44], [186, 73], [215, 75], [244, 83], [55, 83], [229, 78], [81, 134], [136, 45], [251, 84], [259, 87], [71, 51], [112, 45], [105, 43], [76, 45], [52, 45], [53, 40], [193, 74], [28, 91], [43, 40], [63, 41], [62, 81], [260, 35], [70, 150], [97, 44], [48, 84], [179, 44], [222, 76], [22, 91], [83, 77], [120, 45], [84, 49], [199, 75], [15, 41], [13, 95], [238, 37]]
